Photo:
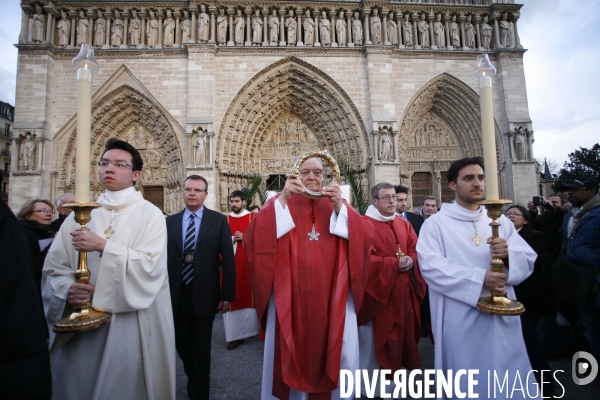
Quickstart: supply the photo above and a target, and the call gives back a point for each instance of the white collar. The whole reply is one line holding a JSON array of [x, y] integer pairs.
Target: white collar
[[240, 215], [114, 200], [373, 212]]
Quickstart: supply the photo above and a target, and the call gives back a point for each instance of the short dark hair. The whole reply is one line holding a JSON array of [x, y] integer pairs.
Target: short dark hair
[[401, 189], [238, 193], [457, 165], [197, 178], [560, 196], [136, 158], [254, 208], [382, 185]]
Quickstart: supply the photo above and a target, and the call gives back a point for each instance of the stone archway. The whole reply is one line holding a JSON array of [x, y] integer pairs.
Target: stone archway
[[127, 114], [286, 109], [441, 124]]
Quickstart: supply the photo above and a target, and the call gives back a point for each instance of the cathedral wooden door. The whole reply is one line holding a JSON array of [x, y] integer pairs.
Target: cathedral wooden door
[[421, 187], [155, 195]]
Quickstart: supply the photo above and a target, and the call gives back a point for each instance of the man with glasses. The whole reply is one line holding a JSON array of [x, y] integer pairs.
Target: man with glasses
[[307, 259], [200, 254], [63, 212], [132, 356], [389, 315]]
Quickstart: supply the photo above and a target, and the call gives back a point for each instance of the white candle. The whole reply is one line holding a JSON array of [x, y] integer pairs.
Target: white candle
[[82, 149], [489, 139]]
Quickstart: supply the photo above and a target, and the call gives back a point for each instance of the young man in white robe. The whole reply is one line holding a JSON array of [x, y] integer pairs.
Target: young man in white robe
[[455, 248], [133, 355]]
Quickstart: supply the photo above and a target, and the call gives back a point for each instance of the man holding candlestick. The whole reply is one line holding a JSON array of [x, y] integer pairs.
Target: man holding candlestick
[[455, 248], [133, 355]]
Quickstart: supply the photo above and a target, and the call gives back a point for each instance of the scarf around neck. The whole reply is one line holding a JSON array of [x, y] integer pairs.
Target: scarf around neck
[[457, 211], [373, 212], [240, 215], [114, 200]]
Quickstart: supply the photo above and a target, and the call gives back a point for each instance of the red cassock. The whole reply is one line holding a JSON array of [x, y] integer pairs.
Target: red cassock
[[310, 280], [243, 293], [392, 299]]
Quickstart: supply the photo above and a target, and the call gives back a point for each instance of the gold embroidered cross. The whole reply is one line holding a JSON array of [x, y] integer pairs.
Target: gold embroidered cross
[[399, 252]]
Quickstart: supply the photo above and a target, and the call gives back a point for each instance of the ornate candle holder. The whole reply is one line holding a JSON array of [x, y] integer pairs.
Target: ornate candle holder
[[84, 317], [497, 302]]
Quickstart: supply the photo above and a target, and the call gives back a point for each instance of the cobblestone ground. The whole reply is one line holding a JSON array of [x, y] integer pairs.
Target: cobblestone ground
[[236, 374]]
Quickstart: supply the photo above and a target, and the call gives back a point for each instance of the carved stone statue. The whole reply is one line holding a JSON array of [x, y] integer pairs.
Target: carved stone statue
[[37, 29], [469, 34], [169, 25], [439, 39], [64, 30], [200, 152], [423, 29], [454, 33], [407, 32], [340, 29], [28, 147], [486, 33], [392, 29], [376, 27], [521, 143], [291, 25], [385, 147], [117, 30], [505, 31], [203, 20], [257, 28], [239, 24], [134, 28], [186, 28], [357, 30], [152, 29], [324, 29], [222, 27], [99, 30], [82, 29], [273, 29], [309, 29], [137, 138]]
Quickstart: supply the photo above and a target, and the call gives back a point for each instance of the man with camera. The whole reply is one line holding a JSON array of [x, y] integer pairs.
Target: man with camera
[[550, 222]]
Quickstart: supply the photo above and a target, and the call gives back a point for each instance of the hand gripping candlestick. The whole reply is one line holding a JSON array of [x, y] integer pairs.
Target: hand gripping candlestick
[[496, 302], [84, 317]]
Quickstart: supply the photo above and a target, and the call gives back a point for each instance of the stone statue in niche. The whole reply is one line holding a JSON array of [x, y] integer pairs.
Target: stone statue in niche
[[117, 30], [134, 28], [257, 28], [83, 25], [291, 25], [169, 25], [454, 33], [423, 29], [273, 29], [521, 143], [37, 31], [200, 152], [99, 29], [28, 147], [64, 29], [239, 24], [505, 31], [376, 27], [469, 34], [439, 32], [340, 29], [203, 20], [486, 33], [357, 30], [186, 28], [385, 147], [407, 32], [309, 29], [222, 27], [324, 29], [392, 29], [152, 29]]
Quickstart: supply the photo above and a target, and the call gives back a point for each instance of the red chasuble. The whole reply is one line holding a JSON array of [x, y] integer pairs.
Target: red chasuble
[[392, 299], [310, 280], [243, 294]]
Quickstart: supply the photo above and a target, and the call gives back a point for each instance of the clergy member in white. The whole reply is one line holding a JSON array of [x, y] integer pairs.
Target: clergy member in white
[[132, 356], [455, 249]]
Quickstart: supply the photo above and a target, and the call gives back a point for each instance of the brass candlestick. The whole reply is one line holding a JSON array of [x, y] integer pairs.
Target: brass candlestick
[[498, 302], [84, 317]]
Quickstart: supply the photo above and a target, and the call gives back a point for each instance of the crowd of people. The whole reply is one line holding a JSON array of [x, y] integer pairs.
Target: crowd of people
[[326, 288]]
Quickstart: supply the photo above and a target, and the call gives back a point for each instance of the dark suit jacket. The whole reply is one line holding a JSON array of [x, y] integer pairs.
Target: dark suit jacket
[[415, 220], [214, 254]]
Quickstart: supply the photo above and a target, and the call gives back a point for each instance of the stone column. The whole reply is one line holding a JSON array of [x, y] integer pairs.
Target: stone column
[[177, 43], [463, 44], [73, 16], [517, 39], [332, 40], [282, 41], [409, 175], [143, 30], [231, 41], [394, 142], [349, 42], [511, 145], [299, 28], [125, 16], [496, 35], [477, 22], [317, 36], [194, 26], [209, 145], [399, 18], [248, 12], [431, 19], [265, 13], [447, 31], [212, 10], [161, 29], [375, 134], [90, 16], [24, 35], [384, 14], [367, 13], [49, 25], [108, 16], [415, 18]]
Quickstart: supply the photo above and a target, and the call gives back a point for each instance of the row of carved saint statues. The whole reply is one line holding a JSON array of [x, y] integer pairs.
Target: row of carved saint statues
[[275, 27]]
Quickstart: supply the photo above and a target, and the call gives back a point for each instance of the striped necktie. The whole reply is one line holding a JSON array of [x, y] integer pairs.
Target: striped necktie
[[187, 274]]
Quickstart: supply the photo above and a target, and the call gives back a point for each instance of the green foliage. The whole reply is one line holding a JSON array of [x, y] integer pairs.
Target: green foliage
[[360, 198], [254, 185], [582, 162]]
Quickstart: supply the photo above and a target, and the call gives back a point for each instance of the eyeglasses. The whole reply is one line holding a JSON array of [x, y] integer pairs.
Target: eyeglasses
[[44, 211], [387, 198], [104, 164], [508, 214], [190, 190], [304, 173]]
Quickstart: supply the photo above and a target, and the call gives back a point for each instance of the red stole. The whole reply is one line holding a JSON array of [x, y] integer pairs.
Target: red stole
[[392, 299], [243, 294], [310, 280]]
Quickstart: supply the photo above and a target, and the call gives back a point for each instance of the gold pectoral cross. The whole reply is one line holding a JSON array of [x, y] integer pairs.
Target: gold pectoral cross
[[476, 239], [399, 252], [109, 232]]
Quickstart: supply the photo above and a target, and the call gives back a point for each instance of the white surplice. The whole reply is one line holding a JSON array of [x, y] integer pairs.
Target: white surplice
[[133, 356], [454, 268]]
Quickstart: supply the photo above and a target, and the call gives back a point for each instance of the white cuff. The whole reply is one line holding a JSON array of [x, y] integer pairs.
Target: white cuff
[[283, 219], [338, 223]]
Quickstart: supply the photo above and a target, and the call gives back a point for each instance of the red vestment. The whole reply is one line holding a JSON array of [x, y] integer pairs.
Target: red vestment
[[392, 299], [243, 293], [310, 280]]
